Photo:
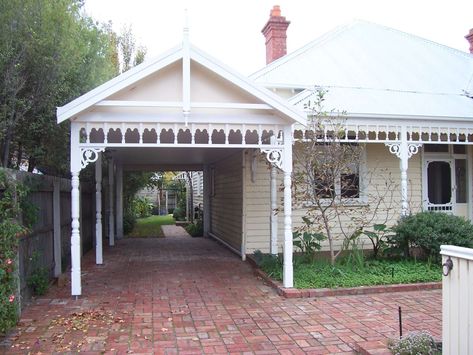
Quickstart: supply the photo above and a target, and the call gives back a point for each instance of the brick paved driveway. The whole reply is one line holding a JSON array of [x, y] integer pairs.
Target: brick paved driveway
[[186, 295]]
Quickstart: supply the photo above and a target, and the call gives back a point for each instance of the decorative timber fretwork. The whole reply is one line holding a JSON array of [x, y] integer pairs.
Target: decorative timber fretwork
[[274, 156], [110, 134], [456, 133], [412, 148], [89, 155]]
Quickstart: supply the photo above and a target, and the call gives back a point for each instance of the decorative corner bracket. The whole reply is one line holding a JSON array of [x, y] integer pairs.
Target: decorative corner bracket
[[89, 155], [396, 149], [274, 156]]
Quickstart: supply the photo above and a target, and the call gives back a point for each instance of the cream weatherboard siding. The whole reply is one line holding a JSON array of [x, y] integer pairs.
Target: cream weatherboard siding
[[257, 203], [226, 201], [381, 166]]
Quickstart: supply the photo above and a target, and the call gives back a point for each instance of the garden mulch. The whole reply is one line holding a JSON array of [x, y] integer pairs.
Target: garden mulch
[[191, 296]]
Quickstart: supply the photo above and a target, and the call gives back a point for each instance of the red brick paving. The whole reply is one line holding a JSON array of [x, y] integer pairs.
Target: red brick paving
[[185, 295]]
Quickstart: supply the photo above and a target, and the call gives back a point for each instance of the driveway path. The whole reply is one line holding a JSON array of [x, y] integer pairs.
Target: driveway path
[[190, 296]]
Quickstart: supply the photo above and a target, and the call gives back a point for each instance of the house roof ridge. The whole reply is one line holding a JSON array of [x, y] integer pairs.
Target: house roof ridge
[[418, 38], [342, 28]]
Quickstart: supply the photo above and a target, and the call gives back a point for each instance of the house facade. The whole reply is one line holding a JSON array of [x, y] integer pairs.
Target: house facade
[[407, 101]]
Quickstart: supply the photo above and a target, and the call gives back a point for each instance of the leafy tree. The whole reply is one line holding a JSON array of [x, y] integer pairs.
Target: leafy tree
[[50, 53], [131, 55], [329, 182]]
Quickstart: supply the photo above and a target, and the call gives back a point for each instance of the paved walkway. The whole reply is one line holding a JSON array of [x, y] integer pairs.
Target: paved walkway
[[190, 296]]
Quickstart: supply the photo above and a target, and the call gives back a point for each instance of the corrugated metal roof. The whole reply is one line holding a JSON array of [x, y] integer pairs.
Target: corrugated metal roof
[[372, 68], [377, 102]]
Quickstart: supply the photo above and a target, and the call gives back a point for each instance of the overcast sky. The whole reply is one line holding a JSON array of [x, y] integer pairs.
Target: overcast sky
[[231, 30]]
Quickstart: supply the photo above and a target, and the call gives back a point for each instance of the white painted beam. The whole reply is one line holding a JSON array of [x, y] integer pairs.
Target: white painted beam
[[178, 104]]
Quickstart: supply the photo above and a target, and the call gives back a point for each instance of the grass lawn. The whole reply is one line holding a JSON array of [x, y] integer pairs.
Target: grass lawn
[[150, 227], [320, 274]]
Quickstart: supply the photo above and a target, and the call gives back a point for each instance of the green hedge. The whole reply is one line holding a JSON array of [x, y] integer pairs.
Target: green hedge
[[429, 230]]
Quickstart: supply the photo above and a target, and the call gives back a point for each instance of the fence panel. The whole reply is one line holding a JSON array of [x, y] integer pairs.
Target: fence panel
[[457, 300], [39, 244]]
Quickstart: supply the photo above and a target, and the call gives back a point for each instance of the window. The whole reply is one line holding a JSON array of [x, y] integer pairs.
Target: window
[[345, 184], [350, 185]]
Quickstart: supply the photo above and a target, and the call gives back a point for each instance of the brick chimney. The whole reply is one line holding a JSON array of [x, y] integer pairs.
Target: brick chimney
[[275, 33], [469, 38]]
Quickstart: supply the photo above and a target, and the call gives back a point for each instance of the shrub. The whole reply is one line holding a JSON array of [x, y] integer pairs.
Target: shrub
[[142, 207], [179, 214], [429, 230], [379, 237], [270, 264], [195, 229], [418, 343], [129, 222], [308, 242], [38, 279]]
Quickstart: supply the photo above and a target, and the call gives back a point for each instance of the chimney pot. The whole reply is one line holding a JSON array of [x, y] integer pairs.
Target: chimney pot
[[275, 33], [469, 38], [276, 11]]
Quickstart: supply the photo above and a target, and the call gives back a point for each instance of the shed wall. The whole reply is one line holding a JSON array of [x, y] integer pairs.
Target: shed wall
[[226, 201]]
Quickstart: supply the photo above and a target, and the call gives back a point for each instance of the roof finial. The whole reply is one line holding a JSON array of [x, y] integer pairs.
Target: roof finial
[[186, 23]]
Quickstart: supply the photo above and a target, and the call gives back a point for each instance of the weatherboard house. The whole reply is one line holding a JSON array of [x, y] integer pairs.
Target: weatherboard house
[[407, 100]]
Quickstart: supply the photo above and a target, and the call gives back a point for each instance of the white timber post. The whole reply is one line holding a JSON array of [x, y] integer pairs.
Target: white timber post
[[98, 211], [404, 164], [273, 215], [404, 151], [288, 277], [57, 227], [76, 288], [206, 200], [111, 219], [167, 206], [119, 202]]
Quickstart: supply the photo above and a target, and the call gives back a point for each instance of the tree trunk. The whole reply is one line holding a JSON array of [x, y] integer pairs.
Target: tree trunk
[[6, 147]]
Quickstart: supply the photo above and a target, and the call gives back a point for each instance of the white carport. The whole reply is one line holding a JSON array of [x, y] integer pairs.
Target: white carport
[[182, 110]]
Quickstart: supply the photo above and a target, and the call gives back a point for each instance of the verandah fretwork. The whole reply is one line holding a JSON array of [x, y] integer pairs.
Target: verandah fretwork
[[111, 134], [391, 133]]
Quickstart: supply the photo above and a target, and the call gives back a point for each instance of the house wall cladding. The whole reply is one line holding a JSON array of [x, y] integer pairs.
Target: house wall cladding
[[381, 167], [39, 243], [226, 203]]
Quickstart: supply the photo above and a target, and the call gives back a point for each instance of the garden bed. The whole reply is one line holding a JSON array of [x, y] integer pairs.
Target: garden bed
[[318, 279]]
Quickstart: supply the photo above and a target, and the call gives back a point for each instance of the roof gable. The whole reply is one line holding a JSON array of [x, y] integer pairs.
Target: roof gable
[[133, 83]]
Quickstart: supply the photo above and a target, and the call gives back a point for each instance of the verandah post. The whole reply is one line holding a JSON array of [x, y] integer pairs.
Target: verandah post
[[111, 218], [76, 289], [288, 278], [273, 215], [119, 201], [98, 211]]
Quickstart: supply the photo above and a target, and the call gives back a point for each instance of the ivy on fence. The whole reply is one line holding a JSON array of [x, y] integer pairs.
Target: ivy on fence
[[16, 215]]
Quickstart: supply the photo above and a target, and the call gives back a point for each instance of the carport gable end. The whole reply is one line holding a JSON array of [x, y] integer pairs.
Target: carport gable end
[[185, 98]]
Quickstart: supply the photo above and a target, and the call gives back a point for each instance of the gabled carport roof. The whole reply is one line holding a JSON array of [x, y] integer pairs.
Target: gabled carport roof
[[85, 102]]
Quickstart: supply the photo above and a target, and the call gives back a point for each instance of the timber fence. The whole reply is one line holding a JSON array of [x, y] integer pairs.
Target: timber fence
[[48, 245]]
